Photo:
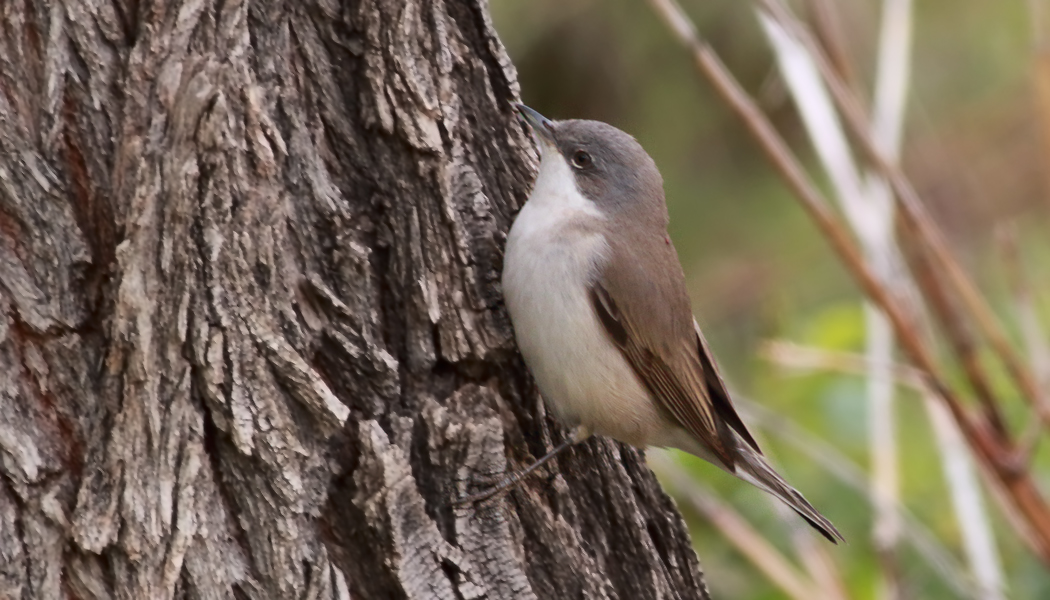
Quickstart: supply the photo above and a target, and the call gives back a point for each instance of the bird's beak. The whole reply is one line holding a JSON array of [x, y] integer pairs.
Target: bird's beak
[[541, 125]]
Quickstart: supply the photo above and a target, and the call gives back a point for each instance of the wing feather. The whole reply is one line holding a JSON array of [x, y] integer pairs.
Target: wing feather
[[680, 388], [719, 394]]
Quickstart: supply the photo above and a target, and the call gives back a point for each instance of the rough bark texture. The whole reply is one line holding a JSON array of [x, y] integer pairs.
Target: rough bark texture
[[251, 334]]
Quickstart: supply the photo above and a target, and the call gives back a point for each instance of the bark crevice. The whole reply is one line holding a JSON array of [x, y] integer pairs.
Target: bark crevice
[[252, 342]]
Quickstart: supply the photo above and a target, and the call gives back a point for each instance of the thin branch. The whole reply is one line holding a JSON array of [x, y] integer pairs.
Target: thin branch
[[891, 92], [995, 453], [993, 448], [827, 22], [736, 530], [868, 209], [955, 327], [819, 564], [1032, 330], [891, 81], [826, 134], [812, 200], [789, 167], [914, 214], [846, 471], [970, 514], [796, 356]]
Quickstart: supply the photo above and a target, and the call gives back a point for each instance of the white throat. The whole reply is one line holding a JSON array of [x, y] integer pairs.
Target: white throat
[[557, 231], [554, 252], [555, 188]]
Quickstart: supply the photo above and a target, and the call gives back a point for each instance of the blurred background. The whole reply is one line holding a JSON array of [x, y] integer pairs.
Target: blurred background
[[760, 272]]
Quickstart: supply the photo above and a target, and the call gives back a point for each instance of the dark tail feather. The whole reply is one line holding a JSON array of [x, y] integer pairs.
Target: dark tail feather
[[754, 469], [823, 526]]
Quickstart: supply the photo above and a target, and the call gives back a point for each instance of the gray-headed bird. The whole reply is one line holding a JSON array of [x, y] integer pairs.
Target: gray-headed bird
[[598, 301]]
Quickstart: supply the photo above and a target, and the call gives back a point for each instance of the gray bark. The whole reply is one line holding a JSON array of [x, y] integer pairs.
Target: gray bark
[[251, 334]]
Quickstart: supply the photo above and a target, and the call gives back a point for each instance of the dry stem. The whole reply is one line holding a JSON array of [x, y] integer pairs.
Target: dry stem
[[988, 441]]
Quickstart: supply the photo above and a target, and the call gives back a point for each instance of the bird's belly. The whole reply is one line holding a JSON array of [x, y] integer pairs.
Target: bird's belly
[[583, 377]]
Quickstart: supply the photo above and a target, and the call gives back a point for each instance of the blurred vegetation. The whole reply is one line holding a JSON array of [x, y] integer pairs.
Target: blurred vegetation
[[756, 266]]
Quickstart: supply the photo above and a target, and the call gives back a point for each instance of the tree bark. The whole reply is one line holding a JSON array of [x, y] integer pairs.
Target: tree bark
[[252, 342]]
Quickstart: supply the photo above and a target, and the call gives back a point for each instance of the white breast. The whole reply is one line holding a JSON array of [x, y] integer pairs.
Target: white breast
[[553, 251]]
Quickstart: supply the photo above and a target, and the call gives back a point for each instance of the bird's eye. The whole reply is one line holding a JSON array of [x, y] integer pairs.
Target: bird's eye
[[581, 160]]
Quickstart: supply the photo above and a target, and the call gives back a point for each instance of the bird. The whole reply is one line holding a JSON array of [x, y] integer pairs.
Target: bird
[[597, 299]]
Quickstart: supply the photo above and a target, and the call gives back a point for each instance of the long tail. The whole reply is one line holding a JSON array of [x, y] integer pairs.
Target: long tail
[[753, 468]]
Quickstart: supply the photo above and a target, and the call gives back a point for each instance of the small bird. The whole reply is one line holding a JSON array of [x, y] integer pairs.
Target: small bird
[[598, 301]]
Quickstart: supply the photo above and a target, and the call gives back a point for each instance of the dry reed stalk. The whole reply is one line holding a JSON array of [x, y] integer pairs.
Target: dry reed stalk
[[736, 530], [827, 24], [820, 565], [867, 204], [994, 450], [810, 358], [1032, 329], [914, 215], [846, 471]]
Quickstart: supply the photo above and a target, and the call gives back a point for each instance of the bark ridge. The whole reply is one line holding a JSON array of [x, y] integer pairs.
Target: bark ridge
[[251, 333]]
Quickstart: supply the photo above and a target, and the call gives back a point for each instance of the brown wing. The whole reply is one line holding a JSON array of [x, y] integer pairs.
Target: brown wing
[[676, 377], [716, 388]]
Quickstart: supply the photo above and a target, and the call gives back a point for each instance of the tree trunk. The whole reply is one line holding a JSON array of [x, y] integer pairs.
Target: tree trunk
[[252, 341]]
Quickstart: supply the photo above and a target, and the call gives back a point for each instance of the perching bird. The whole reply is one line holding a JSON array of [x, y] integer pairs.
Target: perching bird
[[598, 302]]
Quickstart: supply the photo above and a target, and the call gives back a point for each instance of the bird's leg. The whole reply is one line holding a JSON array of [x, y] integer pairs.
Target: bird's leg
[[578, 434]]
